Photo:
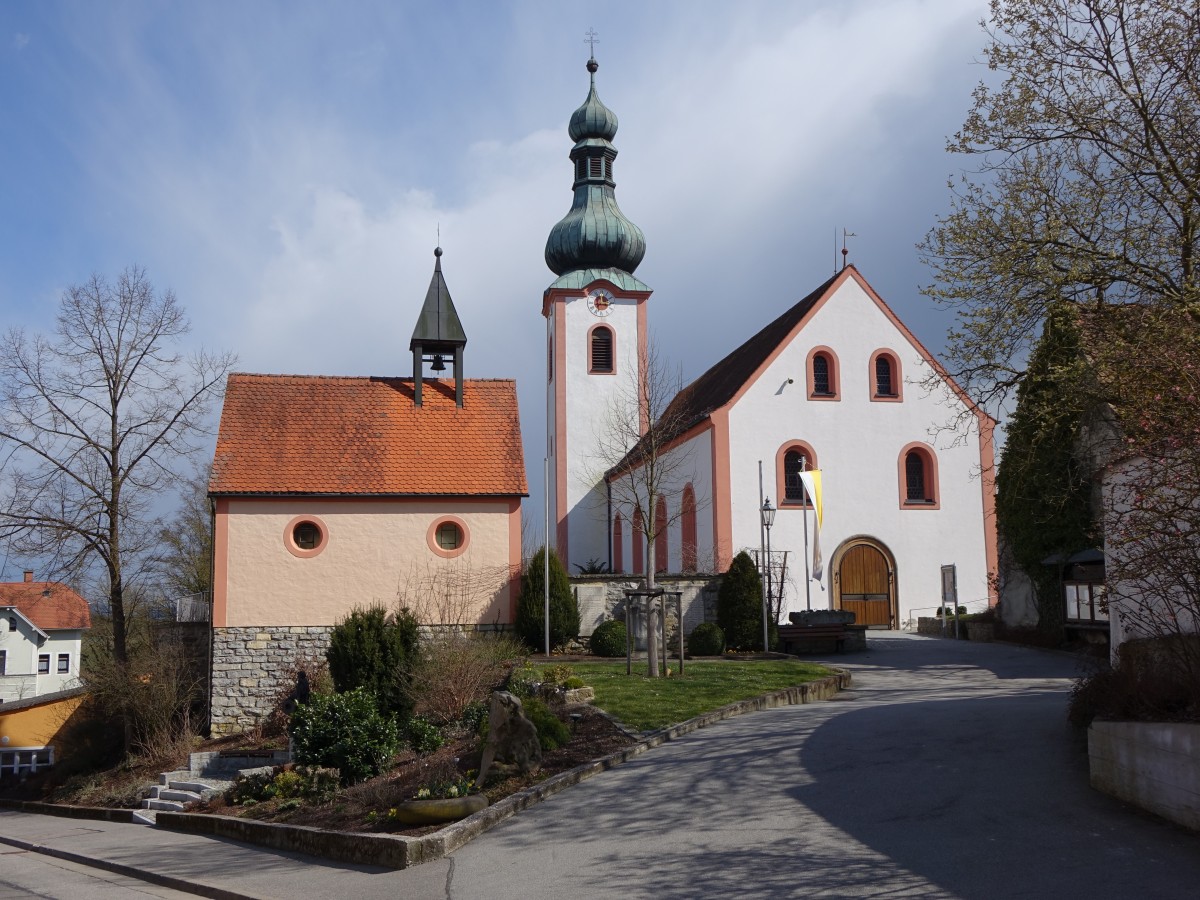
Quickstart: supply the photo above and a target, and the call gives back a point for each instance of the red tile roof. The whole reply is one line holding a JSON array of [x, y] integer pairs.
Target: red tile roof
[[296, 434], [62, 609]]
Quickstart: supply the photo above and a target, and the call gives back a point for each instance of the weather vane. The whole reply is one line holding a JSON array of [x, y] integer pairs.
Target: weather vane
[[591, 40]]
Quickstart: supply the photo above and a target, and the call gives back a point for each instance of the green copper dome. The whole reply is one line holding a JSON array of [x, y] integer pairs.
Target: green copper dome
[[595, 233]]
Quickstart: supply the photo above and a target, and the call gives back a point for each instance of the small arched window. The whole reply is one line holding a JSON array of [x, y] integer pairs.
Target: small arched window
[[618, 546], [687, 521], [793, 458], [660, 534], [886, 377], [637, 539], [600, 350], [822, 374], [918, 473]]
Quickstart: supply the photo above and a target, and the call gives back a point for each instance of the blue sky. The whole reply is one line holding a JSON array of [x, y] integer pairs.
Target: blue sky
[[284, 166]]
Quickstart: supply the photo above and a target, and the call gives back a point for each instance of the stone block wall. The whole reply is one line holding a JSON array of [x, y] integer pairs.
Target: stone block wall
[[603, 597], [249, 667]]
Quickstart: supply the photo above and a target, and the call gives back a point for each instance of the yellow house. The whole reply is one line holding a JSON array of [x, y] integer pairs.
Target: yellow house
[[30, 731]]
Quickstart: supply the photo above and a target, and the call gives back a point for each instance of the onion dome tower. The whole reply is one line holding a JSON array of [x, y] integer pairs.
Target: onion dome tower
[[438, 334], [595, 234]]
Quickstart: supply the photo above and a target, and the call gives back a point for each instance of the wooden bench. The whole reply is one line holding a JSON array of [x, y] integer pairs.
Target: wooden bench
[[793, 635]]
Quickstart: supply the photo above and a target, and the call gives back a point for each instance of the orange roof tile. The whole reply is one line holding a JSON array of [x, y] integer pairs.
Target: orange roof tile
[[62, 609], [296, 434]]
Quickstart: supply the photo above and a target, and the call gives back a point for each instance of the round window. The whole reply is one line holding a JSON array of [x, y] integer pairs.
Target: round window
[[306, 535], [449, 536]]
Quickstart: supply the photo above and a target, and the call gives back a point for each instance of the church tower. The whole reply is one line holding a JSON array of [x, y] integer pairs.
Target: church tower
[[595, 337]]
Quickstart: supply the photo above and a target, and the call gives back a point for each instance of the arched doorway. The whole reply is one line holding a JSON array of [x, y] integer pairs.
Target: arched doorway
[[865, 582]]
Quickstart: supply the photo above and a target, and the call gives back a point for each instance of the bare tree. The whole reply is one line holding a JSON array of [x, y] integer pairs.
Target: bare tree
[[1087, 189], [95, 419], [647, 467], [184, 557]]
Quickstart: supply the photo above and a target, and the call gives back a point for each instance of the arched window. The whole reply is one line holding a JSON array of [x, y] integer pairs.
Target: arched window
[[637, 539], [918, 476], [687, 521], [618, 546], [793, 458], [823, 374], [600, 350], [886, 378], [660, 534]]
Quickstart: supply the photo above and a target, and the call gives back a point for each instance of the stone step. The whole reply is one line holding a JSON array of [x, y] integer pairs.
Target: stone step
[[145, 816], [168, 777], [165, 793], [203, 789], [170, 805]]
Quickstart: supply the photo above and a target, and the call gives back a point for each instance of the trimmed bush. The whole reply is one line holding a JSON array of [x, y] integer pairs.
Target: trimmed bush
[[608, 639], [706, 639], [531, 614], [739, 605], [372, 649], [346, 732], [551, 731]]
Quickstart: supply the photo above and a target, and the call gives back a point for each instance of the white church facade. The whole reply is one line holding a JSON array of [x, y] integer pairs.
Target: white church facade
[[835, 383]]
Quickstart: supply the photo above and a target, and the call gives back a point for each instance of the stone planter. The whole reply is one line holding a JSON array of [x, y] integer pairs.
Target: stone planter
[[434, 812], [981, 631]]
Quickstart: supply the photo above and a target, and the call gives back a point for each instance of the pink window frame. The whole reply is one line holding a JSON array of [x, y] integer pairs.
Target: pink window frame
[[932, 488], [289, 539], [781, 501], [431, 537], [835, 370], [687, 523], [661, 547], [897, 377], [636, 540], [613, 337], [618, 545]]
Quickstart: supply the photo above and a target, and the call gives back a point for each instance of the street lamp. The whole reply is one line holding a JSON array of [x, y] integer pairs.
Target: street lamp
[[768, 519]]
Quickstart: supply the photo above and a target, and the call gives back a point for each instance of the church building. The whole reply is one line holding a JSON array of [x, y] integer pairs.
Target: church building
[[332, 493], [835, 383]]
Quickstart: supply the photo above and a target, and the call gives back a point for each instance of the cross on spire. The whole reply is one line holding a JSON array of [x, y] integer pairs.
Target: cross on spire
[[591, 40]]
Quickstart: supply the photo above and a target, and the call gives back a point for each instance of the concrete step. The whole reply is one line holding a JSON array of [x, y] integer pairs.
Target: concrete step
[[145, 816], [168, 777], [156, 805], [161, 793], [209, 787]]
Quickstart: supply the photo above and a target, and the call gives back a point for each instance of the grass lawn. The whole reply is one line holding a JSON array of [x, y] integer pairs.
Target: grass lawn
[[646, 703]]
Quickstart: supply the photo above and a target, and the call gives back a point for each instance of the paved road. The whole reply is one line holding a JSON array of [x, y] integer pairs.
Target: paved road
[[24, 874], [947, 772]]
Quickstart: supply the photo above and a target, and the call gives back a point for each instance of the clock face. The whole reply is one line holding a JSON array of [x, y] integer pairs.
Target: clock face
[[600, 302]]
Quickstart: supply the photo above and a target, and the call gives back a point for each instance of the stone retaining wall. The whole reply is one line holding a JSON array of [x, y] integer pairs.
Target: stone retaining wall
[[602, 597], [1153, 765], [249, 666]]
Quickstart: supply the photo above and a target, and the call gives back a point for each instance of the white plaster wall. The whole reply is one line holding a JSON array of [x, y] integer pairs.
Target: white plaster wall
[[857, 443], [373, 549], [690, 461], [590, 400], [21, 680], [1159, 604]]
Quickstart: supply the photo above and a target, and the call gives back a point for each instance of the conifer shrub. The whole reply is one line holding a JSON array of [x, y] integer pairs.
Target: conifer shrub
[[373, 649], [551, 731], [347, 732], [706, 639], [609, 639], [564, 611], [739, 605]]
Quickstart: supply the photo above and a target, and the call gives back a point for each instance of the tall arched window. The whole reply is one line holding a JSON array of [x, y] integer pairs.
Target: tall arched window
[[918, 476], [600, 350], [823, 374], [618, 546], [637, 540], [687, 521], [660, 534], [793, 458], [886, 378]]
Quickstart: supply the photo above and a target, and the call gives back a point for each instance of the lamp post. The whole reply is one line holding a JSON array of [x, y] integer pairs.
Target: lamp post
[[768, 519]]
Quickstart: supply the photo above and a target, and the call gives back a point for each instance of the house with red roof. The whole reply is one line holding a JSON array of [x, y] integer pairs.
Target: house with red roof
[[41, 635], [331, 493]]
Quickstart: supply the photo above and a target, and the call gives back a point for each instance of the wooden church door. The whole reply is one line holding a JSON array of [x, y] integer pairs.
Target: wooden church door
[[864, 587]]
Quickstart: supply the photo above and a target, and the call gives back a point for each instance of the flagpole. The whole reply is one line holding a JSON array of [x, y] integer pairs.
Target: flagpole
[[804, 511]]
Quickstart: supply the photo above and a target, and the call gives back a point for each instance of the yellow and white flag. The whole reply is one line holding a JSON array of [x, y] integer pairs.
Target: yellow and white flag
[[812, 484]]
